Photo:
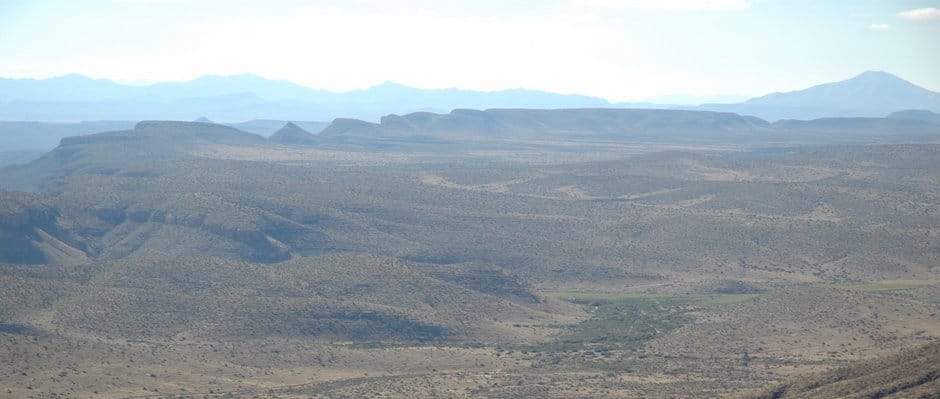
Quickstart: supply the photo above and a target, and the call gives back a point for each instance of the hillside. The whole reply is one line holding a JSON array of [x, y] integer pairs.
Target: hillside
[[562, 124], [498, 253], [267, 127], [859, 126], [133, 151], [20, 140], [809, 322], [912, 373], [266, 202], [321, 298], [28, 230], [45, 136], [292, 134], [560, 129], [918, 115]]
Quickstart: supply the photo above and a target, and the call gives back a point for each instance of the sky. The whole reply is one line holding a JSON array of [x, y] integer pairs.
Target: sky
[[621, 50]]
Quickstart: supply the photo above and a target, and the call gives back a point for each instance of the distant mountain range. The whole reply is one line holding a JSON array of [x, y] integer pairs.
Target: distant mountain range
[[248, 97], [866, 95]]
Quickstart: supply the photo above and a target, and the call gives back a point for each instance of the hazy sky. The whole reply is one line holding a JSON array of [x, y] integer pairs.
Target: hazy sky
[[617, 49]]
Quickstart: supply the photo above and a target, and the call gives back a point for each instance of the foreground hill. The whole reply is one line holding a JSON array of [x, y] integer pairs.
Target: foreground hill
[[331, 297], [913, 373]]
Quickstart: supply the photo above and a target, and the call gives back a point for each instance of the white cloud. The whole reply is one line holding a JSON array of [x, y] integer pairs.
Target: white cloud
[[921, 14], [663, 4], [879, 26]]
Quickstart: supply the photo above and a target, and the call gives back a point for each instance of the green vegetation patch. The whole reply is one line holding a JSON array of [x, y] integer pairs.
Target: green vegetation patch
[[588, 297], [887, 285], [628, 321]]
